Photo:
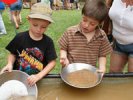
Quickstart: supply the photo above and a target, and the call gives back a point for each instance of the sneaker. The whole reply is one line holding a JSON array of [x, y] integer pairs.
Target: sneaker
[[78, 8], [2, 33]]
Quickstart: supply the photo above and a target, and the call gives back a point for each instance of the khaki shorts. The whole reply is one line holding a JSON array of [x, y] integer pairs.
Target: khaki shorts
[[33, 1]]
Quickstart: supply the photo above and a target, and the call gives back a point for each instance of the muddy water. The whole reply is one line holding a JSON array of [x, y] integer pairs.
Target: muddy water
[[108, 89], [22, 98]]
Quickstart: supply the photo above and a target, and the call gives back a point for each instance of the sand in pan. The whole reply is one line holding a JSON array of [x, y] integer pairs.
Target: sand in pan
[[82, 78]]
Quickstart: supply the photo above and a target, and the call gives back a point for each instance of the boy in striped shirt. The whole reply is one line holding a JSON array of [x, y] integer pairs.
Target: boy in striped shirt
[[86, 42]]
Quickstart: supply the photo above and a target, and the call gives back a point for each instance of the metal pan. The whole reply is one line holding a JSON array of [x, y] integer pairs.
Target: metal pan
[[77, 67], [21, 76]]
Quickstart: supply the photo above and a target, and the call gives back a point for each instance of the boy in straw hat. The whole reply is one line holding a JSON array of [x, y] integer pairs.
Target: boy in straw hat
[[35, 53]]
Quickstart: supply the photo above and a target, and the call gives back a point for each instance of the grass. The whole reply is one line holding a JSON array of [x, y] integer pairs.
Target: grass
[[63, 19]]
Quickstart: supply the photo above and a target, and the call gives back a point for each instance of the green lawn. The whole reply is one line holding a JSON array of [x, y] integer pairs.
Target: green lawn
[[63, 19]]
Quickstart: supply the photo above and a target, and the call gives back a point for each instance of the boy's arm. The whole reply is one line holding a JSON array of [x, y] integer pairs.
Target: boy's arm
[[63, 58], [102, 64], [34, 78], [10, 61], [47, 69]]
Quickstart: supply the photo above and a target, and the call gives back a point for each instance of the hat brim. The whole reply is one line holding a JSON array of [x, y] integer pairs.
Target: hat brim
[[39, 16]]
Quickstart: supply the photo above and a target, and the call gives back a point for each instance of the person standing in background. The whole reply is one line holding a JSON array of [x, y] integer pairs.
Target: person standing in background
[[2, 25], [15, 10], [71, 4], [77, 4], [27, 3], [121, 14], [51, 3]]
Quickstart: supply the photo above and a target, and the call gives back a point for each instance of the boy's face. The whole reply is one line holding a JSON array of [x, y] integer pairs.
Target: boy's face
[[88, 24], [38, 26]]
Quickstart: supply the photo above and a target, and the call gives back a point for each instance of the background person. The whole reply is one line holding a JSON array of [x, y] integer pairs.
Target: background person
[[121, 14], [77, 4], [2, 25], [15, 10]]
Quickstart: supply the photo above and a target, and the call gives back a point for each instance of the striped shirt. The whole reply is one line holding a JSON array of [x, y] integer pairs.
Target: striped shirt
[[80, 50]]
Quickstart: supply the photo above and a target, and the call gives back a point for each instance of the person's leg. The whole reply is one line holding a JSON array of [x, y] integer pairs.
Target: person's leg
[[77, 4], [117, 62], [66, 4], [2, 26], [130, 58], [62, 3], [20, 18], [71, 4], [18, 15], [14, 16], [130, 64], [51, 4]]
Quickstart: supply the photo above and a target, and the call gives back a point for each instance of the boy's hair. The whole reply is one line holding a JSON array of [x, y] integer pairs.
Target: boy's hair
[[41, 11], [96, 9]]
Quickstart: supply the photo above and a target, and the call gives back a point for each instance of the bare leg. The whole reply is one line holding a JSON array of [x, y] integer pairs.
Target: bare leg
[[14, 16], [130, 64], [77, 5], [19, 20], [117, 62]]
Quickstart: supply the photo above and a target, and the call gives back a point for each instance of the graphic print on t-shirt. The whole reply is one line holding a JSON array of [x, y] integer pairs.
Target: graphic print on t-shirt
[[30, 60]]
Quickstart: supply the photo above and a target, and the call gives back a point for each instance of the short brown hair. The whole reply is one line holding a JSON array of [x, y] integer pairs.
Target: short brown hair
[[96, 9]]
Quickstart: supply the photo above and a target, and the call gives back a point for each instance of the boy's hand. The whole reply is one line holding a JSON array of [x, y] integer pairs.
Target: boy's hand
[[7, 68], [33, 79], [64, 62], [101, 71]]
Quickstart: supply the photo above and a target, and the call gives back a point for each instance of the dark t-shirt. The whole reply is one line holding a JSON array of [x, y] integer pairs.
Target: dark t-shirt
[[31, 56]]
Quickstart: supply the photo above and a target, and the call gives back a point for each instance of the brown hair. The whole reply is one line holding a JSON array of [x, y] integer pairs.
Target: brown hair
[[96, 9]]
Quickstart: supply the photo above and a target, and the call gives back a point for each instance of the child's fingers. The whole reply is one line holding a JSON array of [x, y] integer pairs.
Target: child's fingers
[[4, 70], [101, 72], [62, 62], [32, 80]]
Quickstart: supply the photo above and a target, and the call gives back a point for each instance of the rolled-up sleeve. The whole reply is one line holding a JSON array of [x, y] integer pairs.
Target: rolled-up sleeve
[[63, 41]]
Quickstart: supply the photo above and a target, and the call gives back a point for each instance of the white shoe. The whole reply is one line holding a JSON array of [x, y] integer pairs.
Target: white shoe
[[2, 33], [78, 8]]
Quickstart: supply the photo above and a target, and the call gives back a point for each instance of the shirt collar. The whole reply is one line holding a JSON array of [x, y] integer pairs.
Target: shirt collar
[[99, 33]]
